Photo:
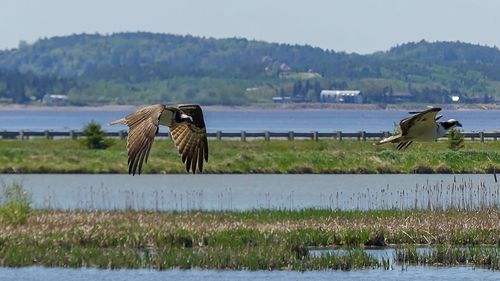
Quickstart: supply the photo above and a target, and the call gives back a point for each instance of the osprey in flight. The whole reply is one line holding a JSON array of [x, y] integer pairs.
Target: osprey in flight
[[187, 128], [421, 126]]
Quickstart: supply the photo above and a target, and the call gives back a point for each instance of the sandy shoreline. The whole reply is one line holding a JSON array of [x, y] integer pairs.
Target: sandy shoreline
[[292, 106]]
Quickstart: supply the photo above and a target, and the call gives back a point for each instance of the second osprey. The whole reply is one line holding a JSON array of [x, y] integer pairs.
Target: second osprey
[[421, 126]]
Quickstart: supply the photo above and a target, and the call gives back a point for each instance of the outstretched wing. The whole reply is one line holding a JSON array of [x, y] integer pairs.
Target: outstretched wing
[[143, 127], [423, 118], [191, 138]]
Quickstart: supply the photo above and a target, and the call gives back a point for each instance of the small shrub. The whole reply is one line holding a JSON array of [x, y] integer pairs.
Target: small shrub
[[94, 136], [455, 140], [14, 205]]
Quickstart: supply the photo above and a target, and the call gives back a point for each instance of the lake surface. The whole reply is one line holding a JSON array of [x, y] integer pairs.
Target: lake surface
[[410, 273], [327, 120], [256, 191]]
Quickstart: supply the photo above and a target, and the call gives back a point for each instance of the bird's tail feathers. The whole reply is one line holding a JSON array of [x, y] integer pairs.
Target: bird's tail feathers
[[395, 138], [119, 121]]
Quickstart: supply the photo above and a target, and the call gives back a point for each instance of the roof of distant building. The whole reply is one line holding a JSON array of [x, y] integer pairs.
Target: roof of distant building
[[340, 92]]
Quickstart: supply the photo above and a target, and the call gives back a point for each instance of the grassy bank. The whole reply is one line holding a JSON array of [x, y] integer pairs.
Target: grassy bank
[[325, 156], [241, 240]]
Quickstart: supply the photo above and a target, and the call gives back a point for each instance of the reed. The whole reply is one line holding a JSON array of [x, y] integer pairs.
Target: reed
[[452, 193]]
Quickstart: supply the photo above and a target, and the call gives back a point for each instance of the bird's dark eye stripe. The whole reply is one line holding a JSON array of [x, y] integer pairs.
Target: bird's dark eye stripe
[[178, 117]]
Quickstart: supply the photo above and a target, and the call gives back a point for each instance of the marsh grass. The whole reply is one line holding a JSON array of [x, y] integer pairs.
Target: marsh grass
[[302, 156], [234, 249], [253, 240]]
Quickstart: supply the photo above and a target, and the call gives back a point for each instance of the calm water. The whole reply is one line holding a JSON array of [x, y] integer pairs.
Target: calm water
[[255, 191], [410, 273], [327, 120]]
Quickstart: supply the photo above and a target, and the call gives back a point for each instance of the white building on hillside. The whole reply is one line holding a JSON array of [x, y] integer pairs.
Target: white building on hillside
[[54, 99], [341, 96]]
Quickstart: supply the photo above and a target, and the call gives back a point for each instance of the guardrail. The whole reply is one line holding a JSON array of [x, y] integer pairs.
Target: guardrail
[[243, 135]]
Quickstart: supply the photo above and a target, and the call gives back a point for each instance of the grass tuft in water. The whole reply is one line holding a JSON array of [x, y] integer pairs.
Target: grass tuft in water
[[451, 255], [14, 205]]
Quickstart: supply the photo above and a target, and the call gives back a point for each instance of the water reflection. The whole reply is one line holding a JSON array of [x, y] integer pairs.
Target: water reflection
[[384, 255], [411, 273]]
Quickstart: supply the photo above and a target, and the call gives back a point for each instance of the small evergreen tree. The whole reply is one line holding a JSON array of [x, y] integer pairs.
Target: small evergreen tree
[[455, 140], [94, 136]]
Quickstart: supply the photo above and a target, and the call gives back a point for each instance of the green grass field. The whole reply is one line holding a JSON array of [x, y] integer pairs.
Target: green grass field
[[301, 156]]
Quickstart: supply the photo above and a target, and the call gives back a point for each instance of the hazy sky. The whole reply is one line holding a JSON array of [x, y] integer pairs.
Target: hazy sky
[[349, 25]]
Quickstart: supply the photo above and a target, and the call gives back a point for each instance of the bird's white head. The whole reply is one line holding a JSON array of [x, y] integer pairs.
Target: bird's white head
[[182, 117], [450, 124]]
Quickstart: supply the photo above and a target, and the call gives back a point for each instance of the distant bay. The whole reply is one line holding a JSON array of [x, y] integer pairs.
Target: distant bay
[[251, 120]]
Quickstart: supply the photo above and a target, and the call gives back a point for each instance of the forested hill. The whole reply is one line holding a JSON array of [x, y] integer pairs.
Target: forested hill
[[145, 67], [76, 55], [445, 52]]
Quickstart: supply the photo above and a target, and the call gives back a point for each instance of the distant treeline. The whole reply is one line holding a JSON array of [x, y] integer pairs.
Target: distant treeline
[[146, 67]]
